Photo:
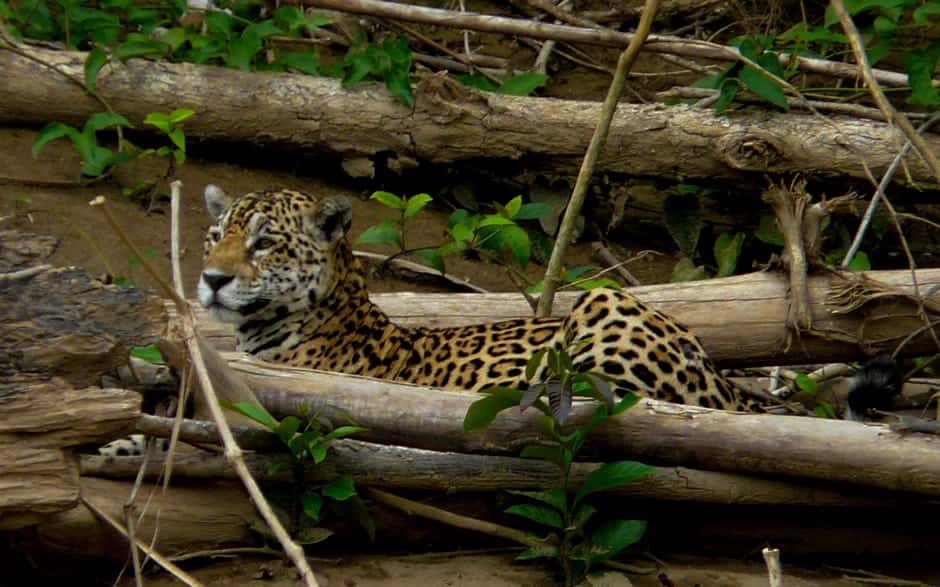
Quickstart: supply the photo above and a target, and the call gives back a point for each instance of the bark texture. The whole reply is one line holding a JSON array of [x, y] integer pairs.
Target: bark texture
[[451, 123]]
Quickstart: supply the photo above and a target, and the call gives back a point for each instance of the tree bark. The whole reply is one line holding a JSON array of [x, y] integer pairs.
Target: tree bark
[[452, 123], [35, 482], [741, 320], [653, 432], [398, 467]]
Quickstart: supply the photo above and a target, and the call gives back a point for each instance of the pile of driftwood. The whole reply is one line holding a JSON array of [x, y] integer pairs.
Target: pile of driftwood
[[64, 330]]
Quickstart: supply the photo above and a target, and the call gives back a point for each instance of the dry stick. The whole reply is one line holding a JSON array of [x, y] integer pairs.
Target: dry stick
[[156, 556], [232, 452], [858, 47], [565, 231], [774, 572], [880, 193], [452, 519], [606, 38]]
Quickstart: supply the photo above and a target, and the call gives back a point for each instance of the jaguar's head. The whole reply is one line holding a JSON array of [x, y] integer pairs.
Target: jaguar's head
[[271, 253]]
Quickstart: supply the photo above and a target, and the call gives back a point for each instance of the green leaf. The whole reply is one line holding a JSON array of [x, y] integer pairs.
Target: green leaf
[[388, 199], [340, 489], [924, 11], [582, 514], [287, 428], [726, 93], [431, 258], [307, 535], [920, 66], [342, 432], [727, 250], [860, 262], [289, 18], [93, 64], [629, 400], [682, 215], [534, 362], [807, 384], [253, 411], [544, 452], [517, 239], [610, 475], [824, 410], [103, 120], [483, 411], [534, 552], [174, 38], [532, 211], [513, 206], [51, 132], [317, 453], [415, 204], [178, 138], [312, 503], [763, 87], [97, 159], [127, 50], [539, 514], [381, 234], [494, 220], [180, 114], [556, 497], [304, 61], [149, 353], [399, 86], [686, 270], [613, 536], [478, 81], [522, 84], [767, 230], [159, 120]]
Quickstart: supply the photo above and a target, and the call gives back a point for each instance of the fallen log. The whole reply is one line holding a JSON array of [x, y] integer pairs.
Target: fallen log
[[35, 482], [741, 320], [654, 432], [397, 467], [307, 113]]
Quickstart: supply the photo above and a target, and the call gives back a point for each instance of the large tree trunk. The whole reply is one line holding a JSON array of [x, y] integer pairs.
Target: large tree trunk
[[741, 320], [452, 124]]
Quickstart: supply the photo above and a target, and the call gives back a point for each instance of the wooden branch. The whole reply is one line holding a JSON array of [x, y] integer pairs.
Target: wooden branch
[[377, 465], [310, 114], [653, 432], [741, 320]]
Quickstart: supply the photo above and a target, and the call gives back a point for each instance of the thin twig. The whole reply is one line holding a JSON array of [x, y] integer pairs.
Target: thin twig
[[861, 57], [774, 572], [23, 273], [232, 453], [624, 63], [158, 558], [175, 238], [880, 192]]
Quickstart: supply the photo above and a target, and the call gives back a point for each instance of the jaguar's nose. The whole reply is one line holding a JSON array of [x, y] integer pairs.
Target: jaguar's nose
[[216, 280]]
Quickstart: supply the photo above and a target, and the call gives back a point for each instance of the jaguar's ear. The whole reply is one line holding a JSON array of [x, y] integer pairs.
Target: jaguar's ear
[[217, 201], [332, 219]]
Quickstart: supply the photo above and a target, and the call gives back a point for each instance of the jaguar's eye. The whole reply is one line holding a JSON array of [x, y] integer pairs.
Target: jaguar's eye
[[262, 243]]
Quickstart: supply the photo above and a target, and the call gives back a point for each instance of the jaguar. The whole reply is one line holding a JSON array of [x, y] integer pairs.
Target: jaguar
[[280, 268]]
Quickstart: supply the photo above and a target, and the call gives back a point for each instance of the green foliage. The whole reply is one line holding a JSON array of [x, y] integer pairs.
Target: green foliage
[[576, 538], [389, 61], [743, 75], [96, 159], [492, 236], [307, 438], [148, 353], [522, 84], [172, 126]]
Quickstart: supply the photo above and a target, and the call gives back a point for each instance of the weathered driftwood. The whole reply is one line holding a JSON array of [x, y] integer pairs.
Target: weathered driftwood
[[35, 482], [63, 323], [741, 320], [653, 432], [377, 465], [309, 113]]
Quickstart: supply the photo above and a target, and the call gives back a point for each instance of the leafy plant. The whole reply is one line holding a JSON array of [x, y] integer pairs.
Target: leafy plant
[[521, 84], [172, 126], [741, 75], [810, 389], [96, 159], [576, 536], [683, 219], [307, 439], [389, 61]]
